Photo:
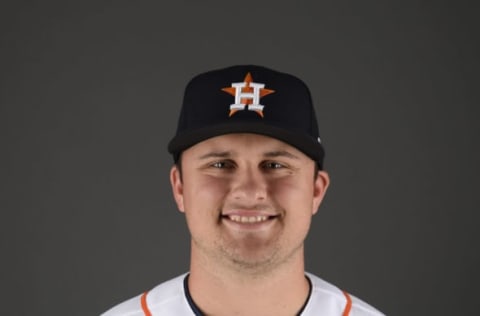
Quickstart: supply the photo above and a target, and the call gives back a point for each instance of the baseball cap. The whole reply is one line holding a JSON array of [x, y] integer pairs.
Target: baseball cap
[[248, 99]]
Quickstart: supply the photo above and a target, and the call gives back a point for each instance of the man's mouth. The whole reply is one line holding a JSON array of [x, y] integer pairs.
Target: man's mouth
[[247, 219]]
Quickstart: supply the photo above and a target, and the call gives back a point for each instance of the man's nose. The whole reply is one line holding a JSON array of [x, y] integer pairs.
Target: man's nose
[[249, 184]]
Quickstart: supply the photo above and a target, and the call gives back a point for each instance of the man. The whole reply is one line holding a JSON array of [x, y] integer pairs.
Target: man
[[248, 175]]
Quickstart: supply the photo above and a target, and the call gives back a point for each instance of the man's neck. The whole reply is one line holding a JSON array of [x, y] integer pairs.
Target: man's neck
[[218, 291]]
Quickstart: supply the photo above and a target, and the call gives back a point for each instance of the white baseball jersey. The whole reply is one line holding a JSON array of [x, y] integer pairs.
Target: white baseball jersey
[[172, 298]]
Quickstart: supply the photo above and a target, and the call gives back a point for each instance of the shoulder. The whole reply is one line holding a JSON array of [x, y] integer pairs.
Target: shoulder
[[330, 300], [165, 297]]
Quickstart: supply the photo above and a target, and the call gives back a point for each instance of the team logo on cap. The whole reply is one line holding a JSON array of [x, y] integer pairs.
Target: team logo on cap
[[247, 95]]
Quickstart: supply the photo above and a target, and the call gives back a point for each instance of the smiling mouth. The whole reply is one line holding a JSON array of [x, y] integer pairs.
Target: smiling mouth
[[248, 219]]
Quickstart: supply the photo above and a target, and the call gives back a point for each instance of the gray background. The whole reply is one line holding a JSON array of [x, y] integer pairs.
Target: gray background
[[90, 94]]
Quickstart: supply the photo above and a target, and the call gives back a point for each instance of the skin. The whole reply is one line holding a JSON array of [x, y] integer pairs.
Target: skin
[[248, 201]]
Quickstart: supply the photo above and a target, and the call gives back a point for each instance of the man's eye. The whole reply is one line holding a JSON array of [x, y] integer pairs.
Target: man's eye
[[273, 165], [222, 165]]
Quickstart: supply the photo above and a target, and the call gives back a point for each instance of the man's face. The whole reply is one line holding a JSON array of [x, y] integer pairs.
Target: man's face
[[248, 199]]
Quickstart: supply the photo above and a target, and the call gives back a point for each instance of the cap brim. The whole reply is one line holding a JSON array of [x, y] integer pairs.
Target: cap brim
[[305, 143]]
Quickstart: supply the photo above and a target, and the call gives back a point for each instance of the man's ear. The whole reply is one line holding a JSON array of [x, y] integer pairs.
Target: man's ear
[[321, 184], [177, 187]]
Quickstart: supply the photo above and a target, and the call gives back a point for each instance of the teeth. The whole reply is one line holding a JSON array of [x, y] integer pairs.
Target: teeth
[[248, 219]]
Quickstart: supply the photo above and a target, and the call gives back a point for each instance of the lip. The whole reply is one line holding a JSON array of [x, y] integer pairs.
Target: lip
[[248, 212], [249, 220]]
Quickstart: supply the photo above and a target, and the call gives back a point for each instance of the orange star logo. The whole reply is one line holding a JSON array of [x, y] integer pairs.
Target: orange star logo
[[247, 95]]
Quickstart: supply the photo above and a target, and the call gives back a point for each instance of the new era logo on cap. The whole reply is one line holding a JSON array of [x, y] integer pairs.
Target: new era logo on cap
[[248, 99]]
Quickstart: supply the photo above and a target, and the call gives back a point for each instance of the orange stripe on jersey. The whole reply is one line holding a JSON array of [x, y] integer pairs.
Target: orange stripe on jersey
[[348, 306], [143, 300]]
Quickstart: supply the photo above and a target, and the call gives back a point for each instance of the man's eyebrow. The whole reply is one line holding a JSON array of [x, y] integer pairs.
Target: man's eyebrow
[[216, 154], [280, 153]]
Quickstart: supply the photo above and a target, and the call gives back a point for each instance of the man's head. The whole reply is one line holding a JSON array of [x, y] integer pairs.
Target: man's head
[[248, 99], [249, 147]]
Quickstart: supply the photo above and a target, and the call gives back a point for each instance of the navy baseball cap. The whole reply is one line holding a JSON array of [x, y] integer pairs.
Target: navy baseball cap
[[248, 99]]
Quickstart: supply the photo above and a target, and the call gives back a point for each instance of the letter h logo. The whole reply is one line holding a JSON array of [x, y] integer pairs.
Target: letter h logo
[[247, 95]]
